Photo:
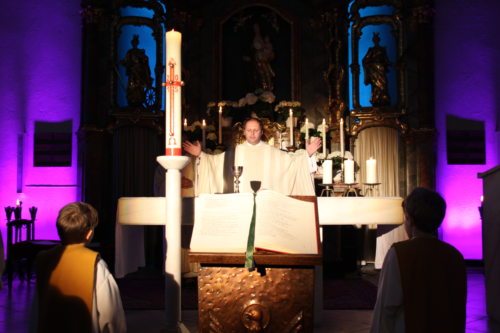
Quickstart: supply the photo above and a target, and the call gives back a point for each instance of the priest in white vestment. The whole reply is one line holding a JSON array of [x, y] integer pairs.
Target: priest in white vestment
[[284, 172]]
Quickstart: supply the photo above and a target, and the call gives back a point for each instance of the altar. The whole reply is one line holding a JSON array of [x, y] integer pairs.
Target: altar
[[129, 243]]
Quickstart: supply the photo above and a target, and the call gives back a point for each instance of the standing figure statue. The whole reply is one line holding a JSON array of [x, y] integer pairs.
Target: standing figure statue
[[376, 65], [263, 54], [136, 63]]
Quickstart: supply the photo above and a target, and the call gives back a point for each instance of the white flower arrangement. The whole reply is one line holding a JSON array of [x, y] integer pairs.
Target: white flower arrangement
[[287, 105], [226, 104], [303, 129]]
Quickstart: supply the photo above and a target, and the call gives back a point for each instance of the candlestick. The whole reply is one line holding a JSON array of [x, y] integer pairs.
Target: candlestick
[[342, 147], [307, 130], [371, 171], [173, 92], [327, 171], [18, 209], [323, 136], [349, 171], [185, 124], [290, 117], [220, 124], [203, 134]]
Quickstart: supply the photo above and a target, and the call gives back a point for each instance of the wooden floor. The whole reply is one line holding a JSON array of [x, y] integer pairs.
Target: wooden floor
[[15, 307]]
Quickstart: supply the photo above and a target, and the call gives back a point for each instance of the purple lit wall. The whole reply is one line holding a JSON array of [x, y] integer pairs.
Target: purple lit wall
[[467, 85], [40, 74]]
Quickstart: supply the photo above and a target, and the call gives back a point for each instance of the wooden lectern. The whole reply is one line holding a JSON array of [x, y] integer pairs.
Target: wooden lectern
[[277, 296], [490, 215]]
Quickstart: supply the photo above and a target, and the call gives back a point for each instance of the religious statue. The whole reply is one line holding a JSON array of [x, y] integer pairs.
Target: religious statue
[[376, 65], [136, 63], [263, 54]]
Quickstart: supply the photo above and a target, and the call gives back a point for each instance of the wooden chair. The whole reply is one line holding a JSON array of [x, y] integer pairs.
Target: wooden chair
[[22, 248]]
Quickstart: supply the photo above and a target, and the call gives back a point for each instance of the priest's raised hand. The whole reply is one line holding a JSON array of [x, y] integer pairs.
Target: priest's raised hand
[[192, 148], [313, 145]]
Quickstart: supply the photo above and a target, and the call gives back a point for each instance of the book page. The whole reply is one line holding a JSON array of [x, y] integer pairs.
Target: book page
[[222, 222], [285, 224]]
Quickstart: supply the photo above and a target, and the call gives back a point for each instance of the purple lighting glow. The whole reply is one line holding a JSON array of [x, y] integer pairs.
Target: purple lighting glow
[[465, 87], [41, 77]]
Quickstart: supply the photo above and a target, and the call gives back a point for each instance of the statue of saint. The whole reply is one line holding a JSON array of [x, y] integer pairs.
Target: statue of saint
[[136, 63], [263, 54], [376, 65]]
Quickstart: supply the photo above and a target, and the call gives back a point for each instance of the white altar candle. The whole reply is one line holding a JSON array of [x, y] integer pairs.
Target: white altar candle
[[371, 171], [307, 130], [185, 124], [203, 134], [323, 136], [173, 93], [349, 171], [342, 147], [327, 171], [220, 125], [290, 118]]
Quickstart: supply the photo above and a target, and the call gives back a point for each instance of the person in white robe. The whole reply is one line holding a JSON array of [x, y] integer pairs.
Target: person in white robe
[[284, 172]]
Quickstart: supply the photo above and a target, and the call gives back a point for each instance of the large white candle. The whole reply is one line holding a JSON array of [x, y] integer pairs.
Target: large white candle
[[220, 124], [349, 171], [342, 147], [290, 118], [173, 93], [307, 130], [203, 134], [371, 171], [323, 136], [327, 171]]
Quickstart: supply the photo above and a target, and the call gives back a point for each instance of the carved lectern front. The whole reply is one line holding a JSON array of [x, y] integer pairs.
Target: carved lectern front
[[277, 296]]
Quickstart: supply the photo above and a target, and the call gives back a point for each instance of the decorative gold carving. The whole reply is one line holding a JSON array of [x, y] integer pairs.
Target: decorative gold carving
[[255, 317], [269, 299], [376, 118], [296, 324]]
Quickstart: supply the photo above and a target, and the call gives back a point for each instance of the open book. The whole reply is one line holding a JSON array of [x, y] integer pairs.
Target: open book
[[283, 224]]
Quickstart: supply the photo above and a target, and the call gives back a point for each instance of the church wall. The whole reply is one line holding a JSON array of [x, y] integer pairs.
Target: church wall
[[40, 81], [467, 85]]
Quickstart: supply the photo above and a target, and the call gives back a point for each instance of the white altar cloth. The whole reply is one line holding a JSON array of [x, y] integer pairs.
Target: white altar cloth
[[360, 210], [132, 214], [135, 212]]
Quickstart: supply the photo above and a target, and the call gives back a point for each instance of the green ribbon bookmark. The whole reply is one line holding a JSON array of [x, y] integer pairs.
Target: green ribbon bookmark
[[249, 262]]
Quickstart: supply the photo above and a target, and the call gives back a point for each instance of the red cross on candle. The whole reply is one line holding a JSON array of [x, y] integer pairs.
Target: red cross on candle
[[173, 83]]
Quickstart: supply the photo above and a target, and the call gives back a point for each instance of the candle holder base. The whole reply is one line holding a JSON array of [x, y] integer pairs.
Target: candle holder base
[[291, 149], [371, 187], [327, 191], [350, 190]]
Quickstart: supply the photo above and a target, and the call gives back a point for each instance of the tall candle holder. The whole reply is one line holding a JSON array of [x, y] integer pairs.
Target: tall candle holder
[[33, 210], [371, 187], [8, 212], [18, 212]]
